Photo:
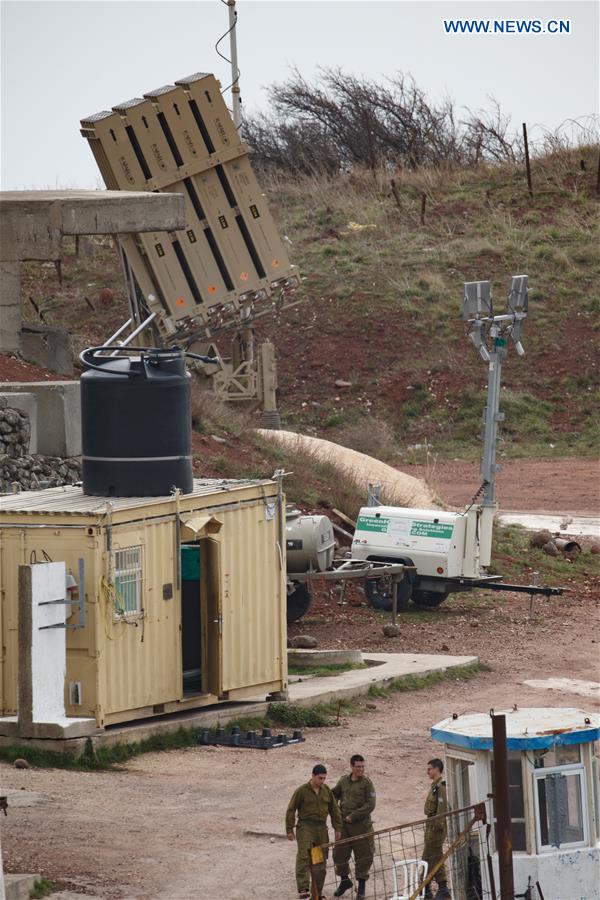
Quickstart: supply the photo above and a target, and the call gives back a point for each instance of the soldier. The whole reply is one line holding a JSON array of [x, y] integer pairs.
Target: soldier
[[435, 831], [356, 796], [313, 802]]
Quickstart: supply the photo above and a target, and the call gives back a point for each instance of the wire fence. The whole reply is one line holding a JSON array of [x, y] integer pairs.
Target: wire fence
[[449, 855]]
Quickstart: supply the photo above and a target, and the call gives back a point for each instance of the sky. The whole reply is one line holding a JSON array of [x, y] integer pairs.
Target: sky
[[62, 61]]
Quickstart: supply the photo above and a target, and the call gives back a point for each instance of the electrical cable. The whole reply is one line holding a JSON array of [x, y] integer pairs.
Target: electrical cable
[[476, 495], [218, 52]]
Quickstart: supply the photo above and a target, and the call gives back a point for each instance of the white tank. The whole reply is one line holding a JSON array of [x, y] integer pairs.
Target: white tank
[[310, 543]]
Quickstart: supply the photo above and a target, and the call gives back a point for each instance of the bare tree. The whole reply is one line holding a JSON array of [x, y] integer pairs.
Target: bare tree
[[342, 120]]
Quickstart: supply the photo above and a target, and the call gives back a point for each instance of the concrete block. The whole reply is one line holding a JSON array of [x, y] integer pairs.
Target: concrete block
[[25, 403], [310, 658], [17, 887], [58, 414], [10, 307], [48, 347]]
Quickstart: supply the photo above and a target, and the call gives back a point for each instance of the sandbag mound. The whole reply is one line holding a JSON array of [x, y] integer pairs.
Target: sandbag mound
[[399, 489]]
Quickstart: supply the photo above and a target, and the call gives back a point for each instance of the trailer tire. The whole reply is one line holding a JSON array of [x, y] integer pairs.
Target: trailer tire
[[378, 592], [298, 603], [428, 599]]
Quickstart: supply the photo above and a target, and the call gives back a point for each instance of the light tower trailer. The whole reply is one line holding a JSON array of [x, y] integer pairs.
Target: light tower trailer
[[451, 551]]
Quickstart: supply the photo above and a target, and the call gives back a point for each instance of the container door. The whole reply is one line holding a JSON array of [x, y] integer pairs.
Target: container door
[[211, 554], [191, 619]]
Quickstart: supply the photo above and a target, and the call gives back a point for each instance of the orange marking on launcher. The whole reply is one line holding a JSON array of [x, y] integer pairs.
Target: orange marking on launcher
[[180, 301]]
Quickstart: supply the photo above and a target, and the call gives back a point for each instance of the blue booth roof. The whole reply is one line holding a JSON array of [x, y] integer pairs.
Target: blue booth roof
[[526, 729]]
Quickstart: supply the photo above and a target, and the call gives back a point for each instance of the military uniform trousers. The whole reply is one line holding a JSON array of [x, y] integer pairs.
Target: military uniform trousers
[[307, 836], [363, 848], [433, 851]]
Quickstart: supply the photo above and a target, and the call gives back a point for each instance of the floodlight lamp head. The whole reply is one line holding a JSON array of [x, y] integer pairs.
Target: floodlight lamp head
[[477, 339], [477, 300], [518, 295]]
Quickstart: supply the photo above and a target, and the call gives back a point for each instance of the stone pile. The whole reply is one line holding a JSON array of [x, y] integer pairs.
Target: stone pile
[[15, 432], [23, 471]]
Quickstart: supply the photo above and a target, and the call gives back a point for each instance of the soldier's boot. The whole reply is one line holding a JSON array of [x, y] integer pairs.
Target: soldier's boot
[[360, 894], [344, 885]]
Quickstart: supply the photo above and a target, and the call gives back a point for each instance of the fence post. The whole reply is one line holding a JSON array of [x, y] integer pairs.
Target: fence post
[[502, 808], [374, 494], [527, 163]]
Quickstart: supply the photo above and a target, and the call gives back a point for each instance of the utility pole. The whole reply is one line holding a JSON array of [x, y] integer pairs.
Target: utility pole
[[502, 808], [235, 72]]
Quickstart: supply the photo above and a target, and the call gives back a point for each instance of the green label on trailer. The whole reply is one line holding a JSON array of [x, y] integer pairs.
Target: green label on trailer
[[432, 530], [372, 523]]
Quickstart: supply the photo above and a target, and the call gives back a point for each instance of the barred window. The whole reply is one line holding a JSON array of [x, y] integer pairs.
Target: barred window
[[128, 581], [560, 797]]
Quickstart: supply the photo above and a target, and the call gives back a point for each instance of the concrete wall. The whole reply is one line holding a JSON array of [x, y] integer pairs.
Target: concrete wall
[[58, 414], [48, 347], [571, 874]]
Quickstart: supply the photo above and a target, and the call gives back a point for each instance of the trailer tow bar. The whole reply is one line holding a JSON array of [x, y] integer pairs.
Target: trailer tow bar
[[530, 589]]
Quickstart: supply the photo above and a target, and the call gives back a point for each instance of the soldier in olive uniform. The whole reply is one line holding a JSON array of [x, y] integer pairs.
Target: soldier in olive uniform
[[356, 795], [313, 802], [436, 803]]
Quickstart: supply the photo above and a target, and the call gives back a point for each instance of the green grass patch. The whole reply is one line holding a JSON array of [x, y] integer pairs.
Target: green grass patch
[[420, 682], [318, 716], [377, 692], [518, 559], [41, 888]]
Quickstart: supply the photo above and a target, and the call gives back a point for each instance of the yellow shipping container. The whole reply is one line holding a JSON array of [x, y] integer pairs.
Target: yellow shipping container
[[185, 596]]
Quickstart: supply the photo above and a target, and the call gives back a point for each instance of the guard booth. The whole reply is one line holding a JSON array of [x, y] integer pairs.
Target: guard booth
[[184, 596], [554, 800]]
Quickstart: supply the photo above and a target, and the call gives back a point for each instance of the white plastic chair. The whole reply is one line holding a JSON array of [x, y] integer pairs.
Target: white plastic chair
[[408, 875]]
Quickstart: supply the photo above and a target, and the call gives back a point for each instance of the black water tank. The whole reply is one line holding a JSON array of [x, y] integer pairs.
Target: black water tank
[[136, 424]]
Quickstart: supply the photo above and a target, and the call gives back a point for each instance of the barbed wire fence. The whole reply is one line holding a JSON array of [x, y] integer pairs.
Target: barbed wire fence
[[398, 870]]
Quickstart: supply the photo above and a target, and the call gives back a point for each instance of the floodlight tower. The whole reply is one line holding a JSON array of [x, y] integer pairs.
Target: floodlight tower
[[490, 335]]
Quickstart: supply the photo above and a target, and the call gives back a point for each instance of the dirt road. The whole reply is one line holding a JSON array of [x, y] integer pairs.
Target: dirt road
[[208, 823], [562, 485]]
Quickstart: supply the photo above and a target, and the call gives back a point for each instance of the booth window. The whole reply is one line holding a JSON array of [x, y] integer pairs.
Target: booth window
[[128, 581], [560, 798], [516, 799]]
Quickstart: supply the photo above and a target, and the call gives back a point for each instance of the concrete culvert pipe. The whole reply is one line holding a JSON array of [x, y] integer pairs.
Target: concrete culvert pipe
[[569, 547]]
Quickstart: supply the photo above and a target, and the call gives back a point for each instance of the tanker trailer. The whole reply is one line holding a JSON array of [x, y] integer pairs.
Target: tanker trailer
[[310, 546]]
